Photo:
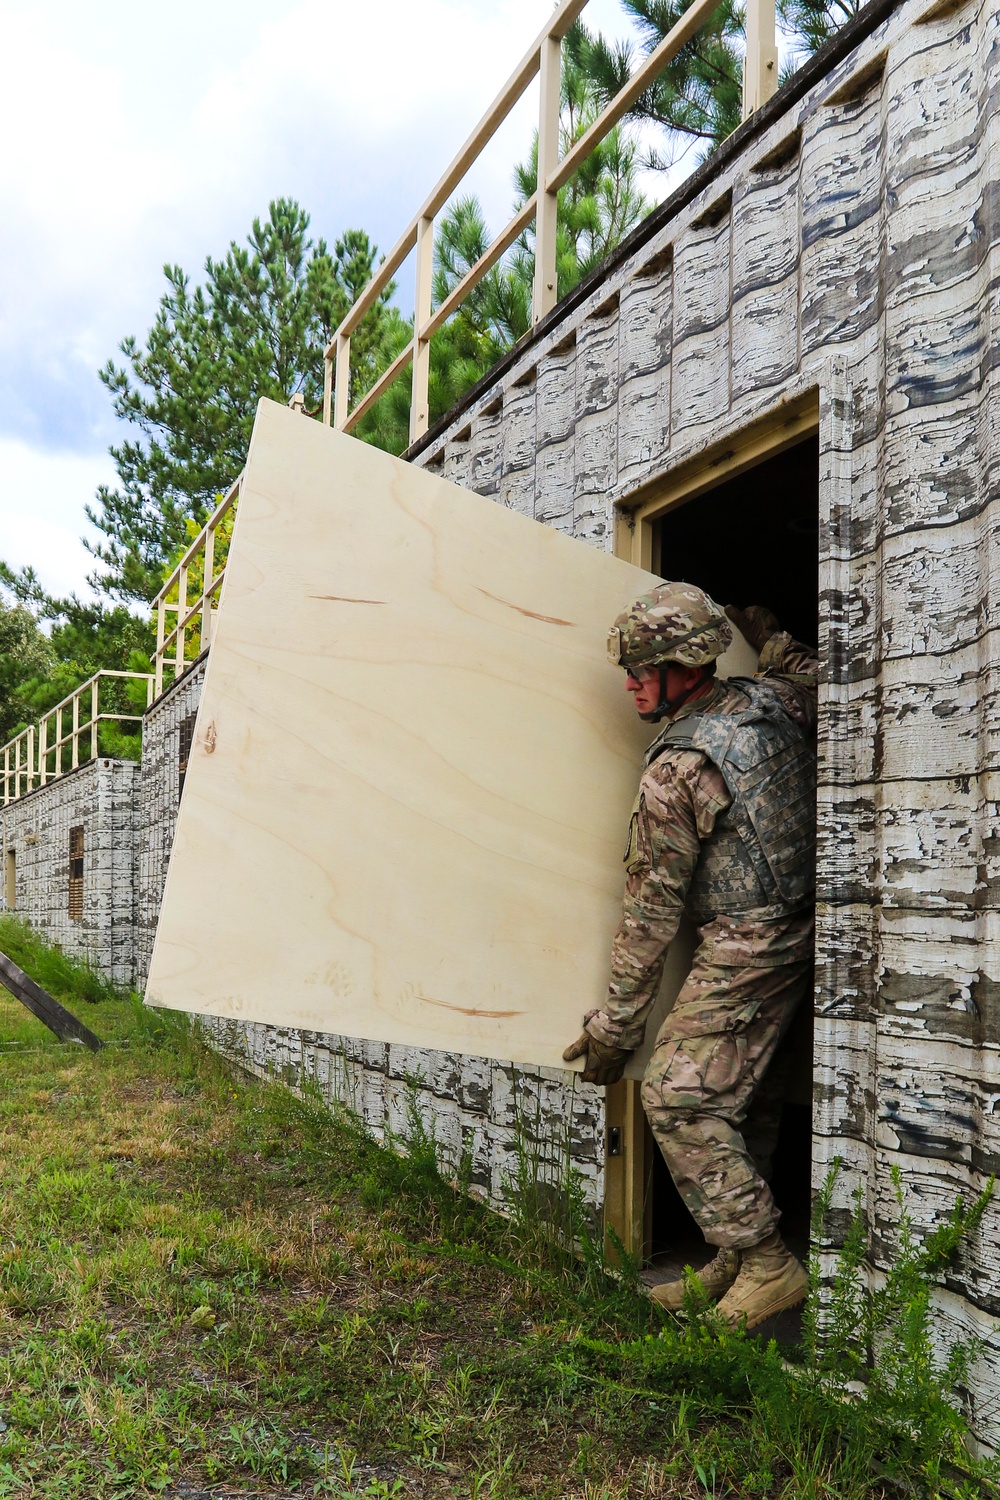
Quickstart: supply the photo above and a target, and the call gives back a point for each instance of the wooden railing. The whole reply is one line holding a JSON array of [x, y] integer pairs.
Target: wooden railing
[[191, 633], [544, 58], [65, 737]]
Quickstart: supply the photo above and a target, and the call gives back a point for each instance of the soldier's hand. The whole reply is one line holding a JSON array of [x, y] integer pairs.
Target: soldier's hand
[[604, 1064], [757, 623]]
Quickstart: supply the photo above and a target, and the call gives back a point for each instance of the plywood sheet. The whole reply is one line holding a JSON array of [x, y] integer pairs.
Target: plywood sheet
[[405, 808]]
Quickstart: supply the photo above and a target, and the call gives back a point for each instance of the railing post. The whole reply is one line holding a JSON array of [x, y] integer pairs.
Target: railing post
[[419, 402], [327, 388], [182, 605], [207, 578], [760, 66], [94, 710], [160, 632], [545, 290], [342, 386]]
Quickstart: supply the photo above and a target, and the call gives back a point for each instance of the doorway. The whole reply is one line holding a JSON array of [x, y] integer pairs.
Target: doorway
[[751, 537]]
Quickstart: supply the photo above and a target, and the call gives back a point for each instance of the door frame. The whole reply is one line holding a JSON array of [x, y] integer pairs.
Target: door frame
[[628, 1173]]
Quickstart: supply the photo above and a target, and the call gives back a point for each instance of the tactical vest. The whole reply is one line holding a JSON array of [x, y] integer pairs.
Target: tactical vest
[[761, 857]]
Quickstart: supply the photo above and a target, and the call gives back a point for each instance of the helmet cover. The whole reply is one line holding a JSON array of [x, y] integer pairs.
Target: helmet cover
[[674, 622]]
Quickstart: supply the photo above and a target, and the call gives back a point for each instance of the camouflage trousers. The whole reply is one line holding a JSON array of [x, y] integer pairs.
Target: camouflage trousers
[[710, 1059]]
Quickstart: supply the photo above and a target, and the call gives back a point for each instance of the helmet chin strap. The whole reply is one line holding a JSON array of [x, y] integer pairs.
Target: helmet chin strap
[[671, 705]]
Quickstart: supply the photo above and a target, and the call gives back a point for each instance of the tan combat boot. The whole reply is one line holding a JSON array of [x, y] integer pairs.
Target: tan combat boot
[[770, 1280], [717, 1277]]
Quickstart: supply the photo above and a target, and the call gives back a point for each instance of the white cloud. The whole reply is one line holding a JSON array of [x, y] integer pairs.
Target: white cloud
[[42, 496], [137, 135]]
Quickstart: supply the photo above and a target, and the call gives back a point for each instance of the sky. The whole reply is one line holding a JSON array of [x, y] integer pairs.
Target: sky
[[139, 135]]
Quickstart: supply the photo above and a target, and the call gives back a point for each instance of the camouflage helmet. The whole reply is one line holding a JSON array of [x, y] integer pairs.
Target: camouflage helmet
[[675, 622]]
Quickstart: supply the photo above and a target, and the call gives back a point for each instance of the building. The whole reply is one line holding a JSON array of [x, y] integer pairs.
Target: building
[[795, 352]]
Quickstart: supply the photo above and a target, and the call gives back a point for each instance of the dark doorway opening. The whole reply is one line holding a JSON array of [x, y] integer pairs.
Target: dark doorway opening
[[753, 539]]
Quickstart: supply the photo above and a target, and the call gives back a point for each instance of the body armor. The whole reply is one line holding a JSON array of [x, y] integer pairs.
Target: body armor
[[762, 854]]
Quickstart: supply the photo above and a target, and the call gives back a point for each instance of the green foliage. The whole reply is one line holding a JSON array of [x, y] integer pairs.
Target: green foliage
[[25, 655], [881, 1336], [258, 327], [596, 209], [207, 1279], [811, 23], [697, 99], [83, 638], [66, 979]]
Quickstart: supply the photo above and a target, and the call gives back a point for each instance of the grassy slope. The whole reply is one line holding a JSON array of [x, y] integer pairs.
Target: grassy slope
[[207, 1283]]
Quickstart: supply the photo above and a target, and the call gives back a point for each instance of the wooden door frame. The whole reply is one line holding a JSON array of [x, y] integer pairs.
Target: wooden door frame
[[628, 1173]]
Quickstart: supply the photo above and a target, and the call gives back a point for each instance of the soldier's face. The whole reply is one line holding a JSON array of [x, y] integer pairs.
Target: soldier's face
[[644, 685]]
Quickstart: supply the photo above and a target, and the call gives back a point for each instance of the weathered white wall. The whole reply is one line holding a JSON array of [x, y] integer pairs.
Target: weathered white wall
[[102, 797], [505, 1119], [158, 796], [864, 266]]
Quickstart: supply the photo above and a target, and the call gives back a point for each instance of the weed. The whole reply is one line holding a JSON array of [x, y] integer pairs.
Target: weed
[[65, 978], [377, 1332]]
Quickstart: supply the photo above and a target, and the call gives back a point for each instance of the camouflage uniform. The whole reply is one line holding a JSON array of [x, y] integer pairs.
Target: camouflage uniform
[[750, 970]]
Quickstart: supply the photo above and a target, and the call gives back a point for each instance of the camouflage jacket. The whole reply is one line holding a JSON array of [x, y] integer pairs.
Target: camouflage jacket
[[680, 796]]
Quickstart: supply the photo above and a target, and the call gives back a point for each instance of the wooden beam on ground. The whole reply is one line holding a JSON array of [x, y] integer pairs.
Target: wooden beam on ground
[[41, 1004]]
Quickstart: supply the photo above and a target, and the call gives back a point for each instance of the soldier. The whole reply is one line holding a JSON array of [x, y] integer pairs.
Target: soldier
[[724, 828]]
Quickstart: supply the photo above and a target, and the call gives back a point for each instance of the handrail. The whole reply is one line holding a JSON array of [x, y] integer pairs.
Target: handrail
[[172, 646], [760, 80], [37, 755]]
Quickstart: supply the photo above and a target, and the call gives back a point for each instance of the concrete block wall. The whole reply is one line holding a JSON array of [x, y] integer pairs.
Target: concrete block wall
[[158, 797], [842, 247], [102, 798], [501, 1117]]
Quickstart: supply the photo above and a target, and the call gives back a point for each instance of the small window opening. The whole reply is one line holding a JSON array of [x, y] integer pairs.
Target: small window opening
[[10, 880], [656, 267], [184, 743], [76, 873], [715, 213]]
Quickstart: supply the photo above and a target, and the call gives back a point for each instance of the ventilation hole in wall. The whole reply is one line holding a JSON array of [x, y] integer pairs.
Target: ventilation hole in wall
[[715, 213], [436, 462], [940, 11], [526, 377], [492, 408], [780, 155], [462, 436], [76, 873], [861, 83], [185, 740], [656, 267], [566, 345], [607, 308]]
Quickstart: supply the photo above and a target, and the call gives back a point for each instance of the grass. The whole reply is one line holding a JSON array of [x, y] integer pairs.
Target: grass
[[209, 1286]]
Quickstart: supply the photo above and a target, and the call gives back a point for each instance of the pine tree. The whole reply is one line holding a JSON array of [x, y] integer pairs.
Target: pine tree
[[258, 327], [698, 97], [597, 208]]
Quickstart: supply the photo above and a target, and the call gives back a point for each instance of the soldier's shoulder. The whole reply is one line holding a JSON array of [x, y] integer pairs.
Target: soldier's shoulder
[[677, 766]]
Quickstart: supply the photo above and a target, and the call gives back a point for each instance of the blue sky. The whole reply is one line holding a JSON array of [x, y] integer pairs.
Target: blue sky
[[137, 135]]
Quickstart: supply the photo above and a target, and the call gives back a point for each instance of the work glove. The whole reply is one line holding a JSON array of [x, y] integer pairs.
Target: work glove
[[604, 1065], [756, 623]]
